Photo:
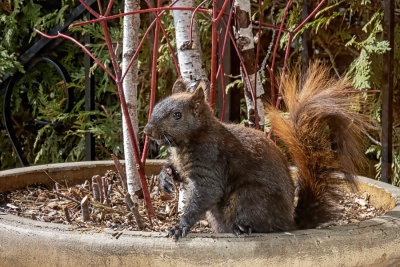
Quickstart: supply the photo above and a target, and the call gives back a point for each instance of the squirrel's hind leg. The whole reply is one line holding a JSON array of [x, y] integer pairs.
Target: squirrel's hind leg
[[252, 209]]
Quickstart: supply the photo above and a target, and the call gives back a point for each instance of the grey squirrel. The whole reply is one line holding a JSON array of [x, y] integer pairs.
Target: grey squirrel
[[240, 178]]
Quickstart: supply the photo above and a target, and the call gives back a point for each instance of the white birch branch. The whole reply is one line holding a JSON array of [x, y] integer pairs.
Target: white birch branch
[[245, 41], [189, 55], [130, 42]]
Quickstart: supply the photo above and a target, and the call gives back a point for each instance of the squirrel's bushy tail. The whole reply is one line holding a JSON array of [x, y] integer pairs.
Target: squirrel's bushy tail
[[323, 134]]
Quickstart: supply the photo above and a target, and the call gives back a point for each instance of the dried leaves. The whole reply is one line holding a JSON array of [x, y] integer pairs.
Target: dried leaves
[[64, 203], [103, 202], [355, 207]]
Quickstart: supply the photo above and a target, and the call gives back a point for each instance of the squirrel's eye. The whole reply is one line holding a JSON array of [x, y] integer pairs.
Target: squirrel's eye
[[177, 115]]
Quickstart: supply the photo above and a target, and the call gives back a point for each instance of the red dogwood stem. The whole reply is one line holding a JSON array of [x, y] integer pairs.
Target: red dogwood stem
[[141, 43], [88, 8], [214, 47], [256, 62], [274, 54], [159, 24], [269, 25], [137, 12], [226, 36], [309, 16], [245, 72], [222, 12], [81, 46], [192, 19], [153, 85], [221, 67], [110, 4], [140, 166]]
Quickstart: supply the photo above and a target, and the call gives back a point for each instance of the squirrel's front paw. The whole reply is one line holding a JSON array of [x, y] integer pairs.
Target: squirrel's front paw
[[166, 180], [178, 231], [239, 229]]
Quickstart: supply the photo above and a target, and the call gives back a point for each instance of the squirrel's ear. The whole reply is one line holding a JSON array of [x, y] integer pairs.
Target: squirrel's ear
[[198, 94], [198, 98], [179, 86]]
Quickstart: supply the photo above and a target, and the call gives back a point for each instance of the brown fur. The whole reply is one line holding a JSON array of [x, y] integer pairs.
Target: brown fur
[[323, 136], [240, 177]]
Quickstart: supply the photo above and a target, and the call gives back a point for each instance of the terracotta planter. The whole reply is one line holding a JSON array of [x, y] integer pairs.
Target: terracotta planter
[[25, 242]]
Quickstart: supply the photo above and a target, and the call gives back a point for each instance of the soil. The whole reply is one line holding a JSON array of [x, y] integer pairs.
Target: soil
[[62, 204]]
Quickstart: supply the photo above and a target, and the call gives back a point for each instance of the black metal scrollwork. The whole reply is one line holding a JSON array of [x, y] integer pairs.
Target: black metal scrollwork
[[7, 101]]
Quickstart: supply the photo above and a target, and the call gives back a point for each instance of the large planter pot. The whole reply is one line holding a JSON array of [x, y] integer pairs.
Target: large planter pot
[[25, 242]]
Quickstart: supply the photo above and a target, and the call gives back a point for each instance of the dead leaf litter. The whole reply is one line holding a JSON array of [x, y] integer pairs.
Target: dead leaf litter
[[108, 209]]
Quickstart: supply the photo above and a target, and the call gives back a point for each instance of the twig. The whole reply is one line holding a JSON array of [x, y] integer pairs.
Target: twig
[[81, 46], [376, 142], [331, 56], [109, 189], [85, 209], [57, 187], [205, 10], [66, 212], [132, 207], [85, 186], [232, 76], [104, 187], [66, 197], [104, 209], [127, 197], [149, 217], [96, 188], [51, 178], [121, 172], [76, 193]]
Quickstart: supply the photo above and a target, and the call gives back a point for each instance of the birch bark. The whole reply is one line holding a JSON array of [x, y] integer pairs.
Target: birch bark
[[245, 42], [189, 54], [130, 42], [189, 57]]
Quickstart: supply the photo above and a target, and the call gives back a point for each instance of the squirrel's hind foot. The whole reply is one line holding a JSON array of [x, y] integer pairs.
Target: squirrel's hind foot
[[238, 229]]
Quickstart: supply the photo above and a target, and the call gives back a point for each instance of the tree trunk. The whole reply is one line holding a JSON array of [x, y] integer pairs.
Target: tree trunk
[[245, 42], [130, 42], [189, 55]]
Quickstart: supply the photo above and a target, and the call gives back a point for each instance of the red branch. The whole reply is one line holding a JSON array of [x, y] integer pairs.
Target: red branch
[[81, 46], [110, 4], [136, 12], [222, 10], [142, 41], [128, 121], [221, 67], [214, 49], [226, 37], [192, 19], [100, 7], [274, 54], [309, 16], [286, 56], [246, 75], [153, 84], [88, 8], [269, 25], [118, 80], [159, 25], [289, 43], [256, 63]]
